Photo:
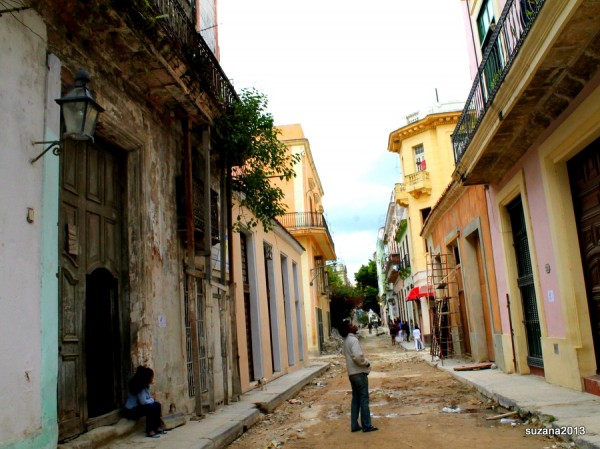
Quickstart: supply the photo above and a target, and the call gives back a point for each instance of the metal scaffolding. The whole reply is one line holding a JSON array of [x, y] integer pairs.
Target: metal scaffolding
[[446, 328]]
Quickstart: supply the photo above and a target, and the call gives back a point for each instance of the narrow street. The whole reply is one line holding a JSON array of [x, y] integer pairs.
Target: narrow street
[[413, 404]]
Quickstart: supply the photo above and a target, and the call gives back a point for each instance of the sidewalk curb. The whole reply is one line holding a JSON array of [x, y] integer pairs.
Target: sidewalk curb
[[570, 419], [231, 422], [281, 392]]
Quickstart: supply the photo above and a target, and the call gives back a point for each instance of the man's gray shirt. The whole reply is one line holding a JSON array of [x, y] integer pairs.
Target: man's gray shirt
[[356, 362]]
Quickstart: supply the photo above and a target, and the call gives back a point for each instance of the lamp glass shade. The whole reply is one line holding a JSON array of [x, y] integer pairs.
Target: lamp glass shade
[[80, 112]]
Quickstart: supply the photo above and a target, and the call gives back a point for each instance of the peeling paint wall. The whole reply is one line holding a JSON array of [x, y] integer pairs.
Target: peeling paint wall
[[149, 137]]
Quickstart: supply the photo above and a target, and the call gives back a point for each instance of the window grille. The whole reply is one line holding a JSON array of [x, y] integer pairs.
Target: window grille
[[201, 336]]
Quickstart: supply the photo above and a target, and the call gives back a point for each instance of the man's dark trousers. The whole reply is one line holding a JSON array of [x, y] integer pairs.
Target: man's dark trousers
[[360, 401]]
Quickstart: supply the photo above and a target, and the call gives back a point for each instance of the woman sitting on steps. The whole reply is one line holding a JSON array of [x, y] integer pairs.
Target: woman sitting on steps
[[140, 402]]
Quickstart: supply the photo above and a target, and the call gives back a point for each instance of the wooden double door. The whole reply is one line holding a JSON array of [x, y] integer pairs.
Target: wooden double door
[[584, 174], [92, 313]]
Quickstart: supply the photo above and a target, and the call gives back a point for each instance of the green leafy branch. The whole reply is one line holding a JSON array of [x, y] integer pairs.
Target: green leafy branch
[[255, 155]]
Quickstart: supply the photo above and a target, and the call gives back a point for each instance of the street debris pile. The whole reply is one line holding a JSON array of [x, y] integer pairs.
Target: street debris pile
[[334, 344], [415, 405]]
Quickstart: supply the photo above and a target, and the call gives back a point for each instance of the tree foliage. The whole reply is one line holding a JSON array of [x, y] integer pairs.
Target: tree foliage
[[366, 276], [366, 283], [344, 298], [255, 155]]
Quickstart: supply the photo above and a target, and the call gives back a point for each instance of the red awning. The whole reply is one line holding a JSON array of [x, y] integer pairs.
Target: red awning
[[419, 292]]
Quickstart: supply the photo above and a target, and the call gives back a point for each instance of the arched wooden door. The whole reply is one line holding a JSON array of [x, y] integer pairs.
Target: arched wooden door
[[90, 261]]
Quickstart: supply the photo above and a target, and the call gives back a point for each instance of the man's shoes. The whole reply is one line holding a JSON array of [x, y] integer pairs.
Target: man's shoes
[[370, 429], [358, 429]]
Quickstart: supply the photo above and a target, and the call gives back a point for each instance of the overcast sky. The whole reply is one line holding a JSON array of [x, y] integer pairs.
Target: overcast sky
[[348, 72]]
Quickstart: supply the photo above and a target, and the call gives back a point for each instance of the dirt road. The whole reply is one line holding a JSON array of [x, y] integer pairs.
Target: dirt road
[[413, 404]]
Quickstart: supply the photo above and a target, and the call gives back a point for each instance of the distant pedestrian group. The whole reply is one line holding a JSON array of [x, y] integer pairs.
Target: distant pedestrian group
[[400, 331]]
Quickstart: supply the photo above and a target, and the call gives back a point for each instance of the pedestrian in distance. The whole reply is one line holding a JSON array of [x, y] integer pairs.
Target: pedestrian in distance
[[358, 368], [406, 330], [370, 326], [141, 403], [417, 337], [401, 330], [394, 329]]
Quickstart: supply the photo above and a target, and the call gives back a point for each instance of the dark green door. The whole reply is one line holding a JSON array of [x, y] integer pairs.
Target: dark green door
[[531, 318], [320, 330]]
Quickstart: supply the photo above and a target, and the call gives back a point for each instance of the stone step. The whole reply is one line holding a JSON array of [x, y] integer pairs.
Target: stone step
[[592, 384]]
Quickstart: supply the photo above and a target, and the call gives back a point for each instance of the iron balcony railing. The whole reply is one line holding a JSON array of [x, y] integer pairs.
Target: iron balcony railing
[[297, 220], [172, 18], [509, 34]]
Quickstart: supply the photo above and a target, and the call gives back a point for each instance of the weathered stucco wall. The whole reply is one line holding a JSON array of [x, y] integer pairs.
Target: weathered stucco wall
[[28, 289]]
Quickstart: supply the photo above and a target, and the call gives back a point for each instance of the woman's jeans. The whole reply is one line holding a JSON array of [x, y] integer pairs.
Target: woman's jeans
[[152, 413], [360, 401]]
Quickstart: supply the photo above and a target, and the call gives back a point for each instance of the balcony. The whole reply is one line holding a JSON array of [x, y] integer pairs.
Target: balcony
[[396, 265], [401, 194], [392, 275], [154, 45], [538, 60], [172, 27], [418, 184], [310, 225], [394, 258]]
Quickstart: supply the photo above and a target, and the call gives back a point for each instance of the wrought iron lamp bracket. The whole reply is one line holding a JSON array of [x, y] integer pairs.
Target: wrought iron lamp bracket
[[53, 145]]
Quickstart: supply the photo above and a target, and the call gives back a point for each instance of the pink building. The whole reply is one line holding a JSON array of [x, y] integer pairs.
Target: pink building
[[530, 134]]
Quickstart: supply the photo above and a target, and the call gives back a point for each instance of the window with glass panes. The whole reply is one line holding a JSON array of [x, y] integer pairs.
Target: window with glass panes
[[419, 152]]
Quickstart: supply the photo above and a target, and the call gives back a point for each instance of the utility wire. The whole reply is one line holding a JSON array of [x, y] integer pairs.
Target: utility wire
[[12, 9]]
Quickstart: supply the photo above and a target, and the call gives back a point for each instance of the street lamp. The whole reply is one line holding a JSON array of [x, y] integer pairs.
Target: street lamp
[[320, 270], [80, 113]]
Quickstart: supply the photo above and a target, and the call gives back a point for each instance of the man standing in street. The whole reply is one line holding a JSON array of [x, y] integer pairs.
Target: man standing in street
[[358, 368]]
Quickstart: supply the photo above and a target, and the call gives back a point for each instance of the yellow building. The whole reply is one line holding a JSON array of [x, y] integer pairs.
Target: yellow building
[[271, 334], [424, 147], [306, 222]]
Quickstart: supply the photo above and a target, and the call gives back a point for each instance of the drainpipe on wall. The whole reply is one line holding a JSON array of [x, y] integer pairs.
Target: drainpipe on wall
[[236, 390], [512, 332], [207, 264], [191, 272], [223, 292]]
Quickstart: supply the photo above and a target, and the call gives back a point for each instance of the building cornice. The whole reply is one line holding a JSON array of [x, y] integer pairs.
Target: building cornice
[[446, 201], [427, 123], [308, 153]]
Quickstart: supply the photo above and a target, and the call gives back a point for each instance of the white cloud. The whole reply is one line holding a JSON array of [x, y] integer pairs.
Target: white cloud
[[359, 248], [348, 72]]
